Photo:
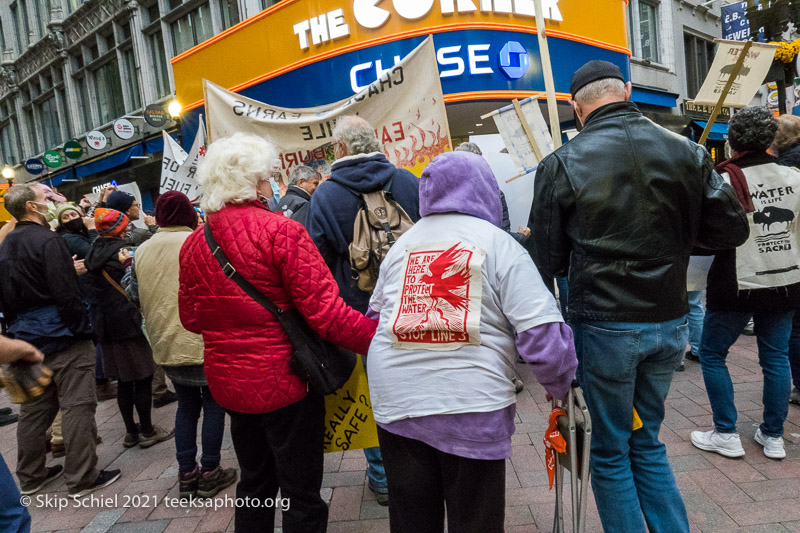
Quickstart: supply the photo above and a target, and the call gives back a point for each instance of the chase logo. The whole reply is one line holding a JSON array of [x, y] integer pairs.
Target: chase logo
[[514, 60]]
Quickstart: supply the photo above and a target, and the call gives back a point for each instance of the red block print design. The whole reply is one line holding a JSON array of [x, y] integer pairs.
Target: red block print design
[[439, 303]]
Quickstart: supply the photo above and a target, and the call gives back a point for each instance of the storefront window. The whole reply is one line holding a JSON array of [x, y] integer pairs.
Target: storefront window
[[51, 127], [267, 3], [160, 62], [83, 103], [72, 5], [192, 29], [648, 30], [132, 79], [230, 13], [699, 55], [8, 140], [643, 28], [62, 101], [108, 87]]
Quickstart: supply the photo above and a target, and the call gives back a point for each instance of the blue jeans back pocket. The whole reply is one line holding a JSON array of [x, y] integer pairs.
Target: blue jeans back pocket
[[610, 354]]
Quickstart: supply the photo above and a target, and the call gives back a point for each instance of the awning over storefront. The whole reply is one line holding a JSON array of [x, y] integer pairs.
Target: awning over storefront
[[719, 131], [110, 161], [643, 95]]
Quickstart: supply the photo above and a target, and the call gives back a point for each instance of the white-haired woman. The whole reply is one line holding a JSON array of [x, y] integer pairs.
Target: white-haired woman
[[276, 424]]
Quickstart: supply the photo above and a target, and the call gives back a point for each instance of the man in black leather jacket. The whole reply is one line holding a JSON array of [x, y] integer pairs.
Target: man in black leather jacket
[[618, 209]]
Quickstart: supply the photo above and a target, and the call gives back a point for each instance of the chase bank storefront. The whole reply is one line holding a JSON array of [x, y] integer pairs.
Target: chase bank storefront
[[305, 53]]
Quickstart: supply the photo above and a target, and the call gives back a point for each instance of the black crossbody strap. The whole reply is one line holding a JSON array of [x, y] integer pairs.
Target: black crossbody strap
[[231, 273]]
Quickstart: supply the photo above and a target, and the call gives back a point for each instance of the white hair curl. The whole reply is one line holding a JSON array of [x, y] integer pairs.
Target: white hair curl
[[232, 168]]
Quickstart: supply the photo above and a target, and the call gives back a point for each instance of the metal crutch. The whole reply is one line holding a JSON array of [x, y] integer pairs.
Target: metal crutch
[[579, 471]]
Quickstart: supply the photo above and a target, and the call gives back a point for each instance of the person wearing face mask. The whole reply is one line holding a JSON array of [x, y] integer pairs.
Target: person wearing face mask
[[79, 233], [618, 210], [42, 304]]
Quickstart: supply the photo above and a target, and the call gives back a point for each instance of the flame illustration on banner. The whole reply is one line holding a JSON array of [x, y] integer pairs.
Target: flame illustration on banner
[[440, 297], [447, 287]]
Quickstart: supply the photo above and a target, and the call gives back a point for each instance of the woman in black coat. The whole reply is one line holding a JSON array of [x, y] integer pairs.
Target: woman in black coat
[[118, 325]]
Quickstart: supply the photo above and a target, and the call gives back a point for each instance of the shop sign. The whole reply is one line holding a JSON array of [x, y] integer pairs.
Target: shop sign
[[97, 188], [52, 158], [73, 149], [123, 128], [155, 115], [96, 140], [703, 111], [334, 25], [34, 166], [455, 61]]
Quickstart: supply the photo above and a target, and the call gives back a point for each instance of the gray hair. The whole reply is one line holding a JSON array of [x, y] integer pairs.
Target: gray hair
[[356, 134], [301, 173], [469, 147], [598, 89], [15, 199]]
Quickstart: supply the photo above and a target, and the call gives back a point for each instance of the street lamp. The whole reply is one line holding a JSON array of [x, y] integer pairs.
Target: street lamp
[[174, 109], [8, 173]]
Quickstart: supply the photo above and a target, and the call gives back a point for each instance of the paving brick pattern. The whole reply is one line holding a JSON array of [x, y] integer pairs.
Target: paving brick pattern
[[751, 494]]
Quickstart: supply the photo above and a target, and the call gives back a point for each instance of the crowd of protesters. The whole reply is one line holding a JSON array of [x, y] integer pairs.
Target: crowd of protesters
[[620, 214]]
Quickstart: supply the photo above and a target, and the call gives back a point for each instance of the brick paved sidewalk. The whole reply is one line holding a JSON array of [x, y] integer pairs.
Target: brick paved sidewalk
[[753, 494]]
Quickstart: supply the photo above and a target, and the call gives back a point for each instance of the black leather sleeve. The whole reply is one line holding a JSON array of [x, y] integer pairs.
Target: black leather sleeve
[[723, 222], [551, 245]]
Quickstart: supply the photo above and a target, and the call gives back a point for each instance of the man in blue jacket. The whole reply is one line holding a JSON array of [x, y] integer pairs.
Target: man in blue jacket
[[360, 167]]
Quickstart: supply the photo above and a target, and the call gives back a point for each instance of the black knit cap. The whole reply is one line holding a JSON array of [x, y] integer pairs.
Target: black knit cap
[[592, 71]]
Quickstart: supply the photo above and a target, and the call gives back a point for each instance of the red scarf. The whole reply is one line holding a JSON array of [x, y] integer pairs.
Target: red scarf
[[738, 180]]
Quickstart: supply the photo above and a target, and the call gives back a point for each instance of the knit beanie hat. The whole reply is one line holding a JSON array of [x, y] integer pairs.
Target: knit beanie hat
[[63, 208], [594, 70], [120, 201], [173, 208], [110, 222]]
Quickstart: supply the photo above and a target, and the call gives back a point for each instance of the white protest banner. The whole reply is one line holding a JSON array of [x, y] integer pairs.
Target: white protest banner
[[751, 76], [516, 136], [405, 106], [178, 168]]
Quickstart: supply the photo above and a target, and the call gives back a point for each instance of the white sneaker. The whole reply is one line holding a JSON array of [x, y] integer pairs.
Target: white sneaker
[[727, 444], [773, 446]]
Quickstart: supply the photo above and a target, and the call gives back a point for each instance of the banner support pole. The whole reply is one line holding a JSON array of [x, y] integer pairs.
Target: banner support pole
[[547, 68]]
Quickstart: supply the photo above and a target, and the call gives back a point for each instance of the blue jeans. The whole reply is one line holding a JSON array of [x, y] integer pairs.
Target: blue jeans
[[794, 350], [720, 331], [695, 318], [376, 473], [14, 518], [621, 366], [191, 400], [563, 293]]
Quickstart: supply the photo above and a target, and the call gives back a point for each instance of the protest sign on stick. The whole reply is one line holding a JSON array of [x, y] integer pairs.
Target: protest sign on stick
[[405, 105], [736, 74], [547, 71], [525, 134]]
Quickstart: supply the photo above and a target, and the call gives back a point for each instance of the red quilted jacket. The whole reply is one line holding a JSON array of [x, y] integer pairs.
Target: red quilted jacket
[[246, 350]]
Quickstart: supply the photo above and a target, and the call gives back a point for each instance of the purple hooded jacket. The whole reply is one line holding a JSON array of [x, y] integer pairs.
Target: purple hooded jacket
[[462, 182]]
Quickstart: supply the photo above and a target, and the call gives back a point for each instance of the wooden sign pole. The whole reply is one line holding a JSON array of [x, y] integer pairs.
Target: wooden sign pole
[[737, 67], [547, 70]]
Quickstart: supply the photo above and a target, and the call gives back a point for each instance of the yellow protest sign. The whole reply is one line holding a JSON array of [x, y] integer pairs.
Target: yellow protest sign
[[349, 424]]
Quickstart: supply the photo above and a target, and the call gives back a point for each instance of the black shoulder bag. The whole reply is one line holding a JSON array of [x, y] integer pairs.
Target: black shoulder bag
[[323, 365]]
